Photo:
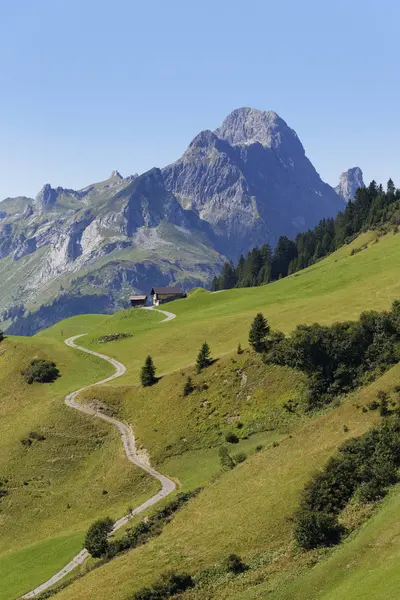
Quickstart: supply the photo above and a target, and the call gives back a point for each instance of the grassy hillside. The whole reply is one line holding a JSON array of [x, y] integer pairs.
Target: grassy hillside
[[237, 394], [246, 510], [337, 288], [55, 486]]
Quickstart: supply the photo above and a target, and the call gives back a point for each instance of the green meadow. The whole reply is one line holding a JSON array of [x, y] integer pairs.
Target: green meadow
[[58, 486]]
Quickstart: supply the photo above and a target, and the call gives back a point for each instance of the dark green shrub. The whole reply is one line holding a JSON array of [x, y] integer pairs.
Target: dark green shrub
[[239, 349], [1, 335], [188, 387], [239, 457], [114, 337], [290, 406], [33, 435], [41, 371], [373, 405], [315, 529], [369, 491], [170, 584], [3, 488], [234, 564], [225, 459], [382, 399], [231, 437], [96, 540]]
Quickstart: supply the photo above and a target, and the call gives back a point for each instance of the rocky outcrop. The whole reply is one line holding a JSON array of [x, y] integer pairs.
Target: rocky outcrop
[[46, 198], [349, 182], [23, 247], [148, 203]]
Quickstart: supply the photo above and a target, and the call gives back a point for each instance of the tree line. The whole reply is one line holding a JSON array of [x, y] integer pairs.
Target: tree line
[[336, 358], [371, 208]]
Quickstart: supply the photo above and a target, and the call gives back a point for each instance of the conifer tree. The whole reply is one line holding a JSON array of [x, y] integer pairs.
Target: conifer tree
[[258, 332], [204, 359], [148, 373], [239, 349]]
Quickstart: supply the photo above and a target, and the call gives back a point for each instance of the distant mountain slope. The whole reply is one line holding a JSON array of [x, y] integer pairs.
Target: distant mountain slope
[[88, 250], [69, 251]]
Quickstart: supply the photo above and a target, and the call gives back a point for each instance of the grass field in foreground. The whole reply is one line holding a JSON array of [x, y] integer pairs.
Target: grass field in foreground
[[16, 573], [366, 566], [246, 511], [56, 487]]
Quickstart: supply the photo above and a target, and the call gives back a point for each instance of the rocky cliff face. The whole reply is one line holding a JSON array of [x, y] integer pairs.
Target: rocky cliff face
[[349, 182], [251, 181], [244, 184]]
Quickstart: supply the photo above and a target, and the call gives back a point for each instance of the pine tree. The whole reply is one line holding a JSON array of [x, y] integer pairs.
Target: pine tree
[[227, 279], [204, 359], [148, 373], [390, 187], [215, 284], [258, 332], [239, 349], [188, 387]]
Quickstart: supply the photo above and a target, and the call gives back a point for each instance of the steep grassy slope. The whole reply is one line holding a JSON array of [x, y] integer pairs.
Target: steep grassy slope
[[55, 486], [246, 510], [365, 567], [237, 394]]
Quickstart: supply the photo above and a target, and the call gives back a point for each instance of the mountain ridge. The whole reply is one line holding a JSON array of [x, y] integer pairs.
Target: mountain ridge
[[246, 183]]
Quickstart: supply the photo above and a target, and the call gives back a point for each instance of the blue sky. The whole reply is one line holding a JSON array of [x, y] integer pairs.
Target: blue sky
[[90, 86]]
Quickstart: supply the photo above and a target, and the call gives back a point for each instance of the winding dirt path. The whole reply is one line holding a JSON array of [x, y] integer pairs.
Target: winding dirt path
[[128, 440]]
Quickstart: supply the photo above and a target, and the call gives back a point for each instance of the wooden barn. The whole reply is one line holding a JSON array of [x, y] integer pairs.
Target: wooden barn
[[138, 300], [160, 295]]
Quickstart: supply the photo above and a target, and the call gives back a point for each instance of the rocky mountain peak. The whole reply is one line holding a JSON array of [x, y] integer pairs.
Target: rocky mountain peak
[[45, 198], [349, 182], [116, 174], [203, 139], [246, 126]]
